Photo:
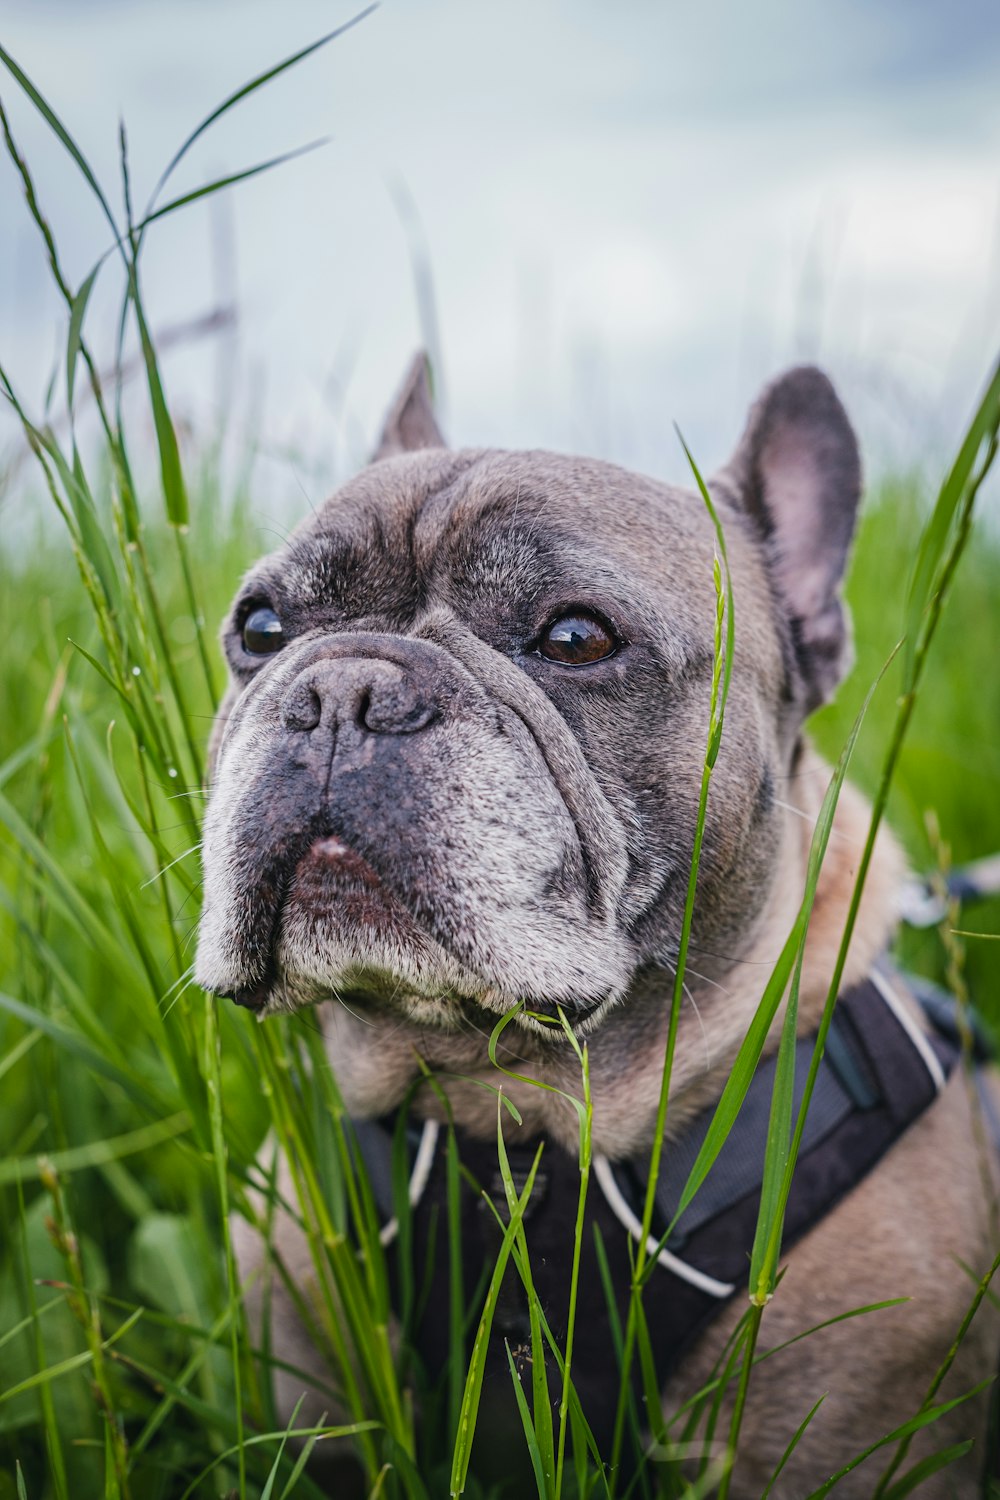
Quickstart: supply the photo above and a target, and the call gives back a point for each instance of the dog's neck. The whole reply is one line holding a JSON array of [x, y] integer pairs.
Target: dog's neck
[[376, 1064]]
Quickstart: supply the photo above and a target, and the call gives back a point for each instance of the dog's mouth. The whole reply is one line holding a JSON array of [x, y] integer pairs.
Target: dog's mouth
[[330, 888], [324, 881], [332, 871], [321, 889]]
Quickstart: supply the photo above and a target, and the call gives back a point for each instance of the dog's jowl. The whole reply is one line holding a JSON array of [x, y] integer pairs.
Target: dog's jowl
[[457, 774]]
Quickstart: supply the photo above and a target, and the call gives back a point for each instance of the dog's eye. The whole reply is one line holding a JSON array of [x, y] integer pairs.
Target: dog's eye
[[578, 639], [262, 632]]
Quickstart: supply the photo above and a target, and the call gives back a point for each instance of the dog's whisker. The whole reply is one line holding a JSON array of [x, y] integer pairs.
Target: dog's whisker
[[810, 818], [192, 893], [176, 990], [729, 958], [160, 873], [669, 961], [191, 933], [180, 980], [302, 489], [790, 807], [701, 1023], [694, 1006], [705, 980], [365, 1021]]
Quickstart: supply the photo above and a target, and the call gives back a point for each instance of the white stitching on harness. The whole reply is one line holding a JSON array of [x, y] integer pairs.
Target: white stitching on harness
[[422, 1163], [609, 1187]]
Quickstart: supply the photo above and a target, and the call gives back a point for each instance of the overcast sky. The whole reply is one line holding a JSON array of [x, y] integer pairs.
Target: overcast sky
[[633, 212]]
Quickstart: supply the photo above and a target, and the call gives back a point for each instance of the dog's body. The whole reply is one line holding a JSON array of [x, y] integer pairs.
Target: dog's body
[[470, 777]]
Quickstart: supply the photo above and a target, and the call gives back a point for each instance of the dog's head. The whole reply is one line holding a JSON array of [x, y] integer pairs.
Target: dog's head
[[459, 761]]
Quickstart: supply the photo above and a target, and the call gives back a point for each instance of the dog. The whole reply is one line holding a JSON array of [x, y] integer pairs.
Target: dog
[[456, 774]]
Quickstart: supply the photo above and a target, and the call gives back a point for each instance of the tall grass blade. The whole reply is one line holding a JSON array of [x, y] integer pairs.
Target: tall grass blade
[[79, 513], [899, 1434], [456, 1289], [541, 1404], [722, 662], [741, 1074], [213, 1080], [477, 1363], [299, 1467], [854, 1312], [796, 1438], [171, 472], [940, 1373], [580, 1424], [584, 1151], [78, 311], [268, 1489], [926, 1468], [249, 88], [780, 1156], [208, 188], [50, 1425], [981, 431], [97, 1153], [144, 1092], [719, 711], [238, 1450], [55, 124], [529, 1431]]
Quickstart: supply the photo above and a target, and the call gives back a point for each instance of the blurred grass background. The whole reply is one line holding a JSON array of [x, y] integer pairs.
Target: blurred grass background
[[147, 1222], [950, 763]]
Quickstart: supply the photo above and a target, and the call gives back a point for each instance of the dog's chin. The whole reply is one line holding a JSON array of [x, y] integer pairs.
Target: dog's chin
[[337, 903], [340, 934]]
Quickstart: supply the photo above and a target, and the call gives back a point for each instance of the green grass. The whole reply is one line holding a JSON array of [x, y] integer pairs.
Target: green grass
[[134, 1107], [950, 763]]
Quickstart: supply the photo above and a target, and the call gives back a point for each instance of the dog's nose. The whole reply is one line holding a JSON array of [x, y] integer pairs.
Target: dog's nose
[[367, 693]]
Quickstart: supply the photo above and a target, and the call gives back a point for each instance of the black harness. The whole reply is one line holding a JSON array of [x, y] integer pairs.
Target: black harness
[[879, 1072]]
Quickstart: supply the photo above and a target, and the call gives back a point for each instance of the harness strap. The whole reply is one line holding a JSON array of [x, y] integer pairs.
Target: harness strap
[[878, 1073]]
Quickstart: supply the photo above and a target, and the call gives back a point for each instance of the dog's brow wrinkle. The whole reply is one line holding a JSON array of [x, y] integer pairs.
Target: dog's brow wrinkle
[[432, 513]]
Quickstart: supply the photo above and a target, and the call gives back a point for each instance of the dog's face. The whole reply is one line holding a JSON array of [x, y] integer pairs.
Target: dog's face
[[459, 762]]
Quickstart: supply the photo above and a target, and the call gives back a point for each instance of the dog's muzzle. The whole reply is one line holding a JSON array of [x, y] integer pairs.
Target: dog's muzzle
[[398, 817]]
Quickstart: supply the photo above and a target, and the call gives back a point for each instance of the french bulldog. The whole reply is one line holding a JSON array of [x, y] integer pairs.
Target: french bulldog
[[457, 769]]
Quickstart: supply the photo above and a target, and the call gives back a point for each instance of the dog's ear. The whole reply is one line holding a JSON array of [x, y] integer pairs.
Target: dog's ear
[[410, 424], [796, 471]]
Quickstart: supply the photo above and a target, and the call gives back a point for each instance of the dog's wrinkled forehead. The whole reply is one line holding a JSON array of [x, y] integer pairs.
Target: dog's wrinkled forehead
[[503, 538]]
